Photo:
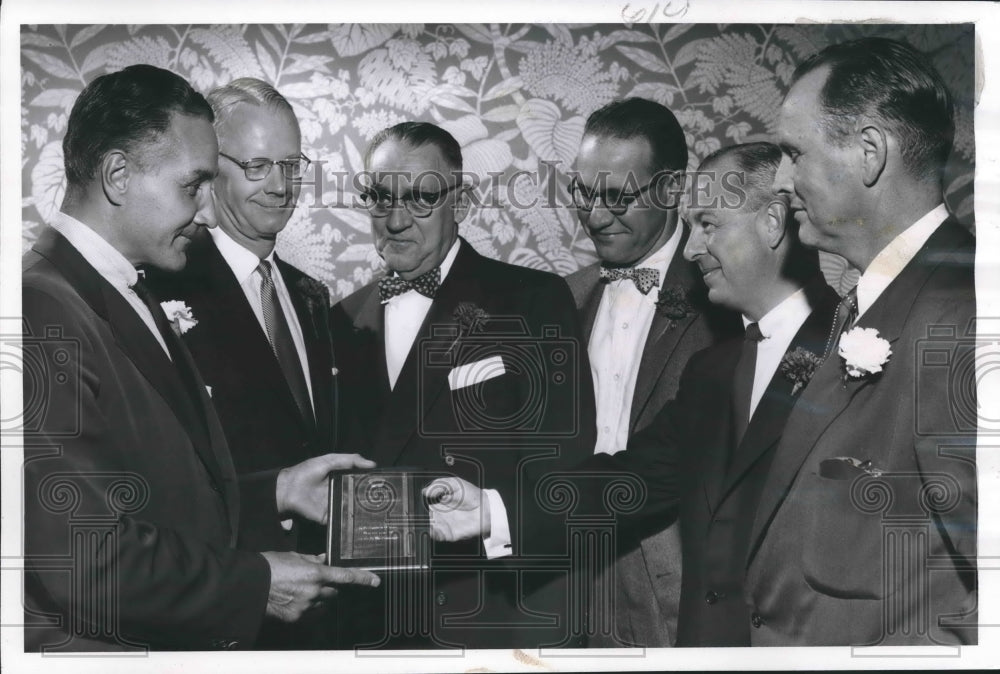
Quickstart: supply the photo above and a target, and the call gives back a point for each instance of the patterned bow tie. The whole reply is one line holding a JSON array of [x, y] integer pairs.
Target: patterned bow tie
[[425, 284], [644, 278]]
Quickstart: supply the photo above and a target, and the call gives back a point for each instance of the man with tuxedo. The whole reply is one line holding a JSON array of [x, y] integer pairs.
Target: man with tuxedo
[[705, 456], [644, 313], [132, 506], [880, 450], [462, 365]]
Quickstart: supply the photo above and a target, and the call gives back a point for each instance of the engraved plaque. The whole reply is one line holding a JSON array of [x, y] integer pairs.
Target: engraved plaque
[[377, 521]]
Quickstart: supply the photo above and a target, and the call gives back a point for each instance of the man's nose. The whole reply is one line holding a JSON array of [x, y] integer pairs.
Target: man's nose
[[783, 183], [695, 245], [599, 216], [275, 181], [398, 219], [205, 215]]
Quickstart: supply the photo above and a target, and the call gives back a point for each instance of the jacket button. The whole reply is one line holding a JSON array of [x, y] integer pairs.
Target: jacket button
[[441, 599], [711, 597], [756, 620], [450, 460]]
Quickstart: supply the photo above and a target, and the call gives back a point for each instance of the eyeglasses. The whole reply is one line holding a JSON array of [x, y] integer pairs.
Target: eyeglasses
[[616, 202], [419, 204], [259, 168]]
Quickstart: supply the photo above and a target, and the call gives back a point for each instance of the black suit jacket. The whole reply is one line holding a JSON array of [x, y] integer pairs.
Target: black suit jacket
[[647, 575], [262, 424], [127, 476], [534, 418]]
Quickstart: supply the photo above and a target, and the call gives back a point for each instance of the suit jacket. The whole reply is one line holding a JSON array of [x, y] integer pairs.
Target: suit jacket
[[127, 477], [647, 575], [840, 555], [535, 417], [263, 426]]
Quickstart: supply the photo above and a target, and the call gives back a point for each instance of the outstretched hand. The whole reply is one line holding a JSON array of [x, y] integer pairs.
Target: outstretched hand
[[302, 488], [458, 509], [301, 583]]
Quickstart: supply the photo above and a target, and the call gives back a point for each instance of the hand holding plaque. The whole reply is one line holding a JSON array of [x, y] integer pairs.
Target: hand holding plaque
[[377, 521]]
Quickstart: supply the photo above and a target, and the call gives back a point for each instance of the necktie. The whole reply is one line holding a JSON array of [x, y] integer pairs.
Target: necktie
[[281, 342], [644, 278], [847, 313], [173, 342], [425, 284], [743, 382]]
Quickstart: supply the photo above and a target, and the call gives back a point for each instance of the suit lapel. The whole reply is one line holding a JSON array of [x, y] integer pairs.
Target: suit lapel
[[828, 395], [591, 300], [718, 435], [663, 337], [137, 342]]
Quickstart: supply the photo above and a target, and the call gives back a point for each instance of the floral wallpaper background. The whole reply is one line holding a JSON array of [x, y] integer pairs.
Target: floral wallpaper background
[[515, 96]]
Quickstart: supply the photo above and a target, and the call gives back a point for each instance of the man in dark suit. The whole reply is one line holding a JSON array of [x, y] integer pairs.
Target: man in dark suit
[[459, 364], [644, 312], [705, 456], [132, 506], [262, 342], [866, 129]]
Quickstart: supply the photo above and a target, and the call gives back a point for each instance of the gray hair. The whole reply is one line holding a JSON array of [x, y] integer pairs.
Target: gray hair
[[246, 90]]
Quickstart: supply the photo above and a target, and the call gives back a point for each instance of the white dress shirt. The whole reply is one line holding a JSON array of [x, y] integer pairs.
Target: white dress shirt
[[778, 327], [887, 265], [404, 314], [617, 342], [243, 264], [110, 264]]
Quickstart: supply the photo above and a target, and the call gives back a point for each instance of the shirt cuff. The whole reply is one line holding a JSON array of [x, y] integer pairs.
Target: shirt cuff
[[497, 544]]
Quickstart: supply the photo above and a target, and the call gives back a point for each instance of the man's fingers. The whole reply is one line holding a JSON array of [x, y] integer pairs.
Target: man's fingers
[[345, 461], [443, 491], [342, 576]]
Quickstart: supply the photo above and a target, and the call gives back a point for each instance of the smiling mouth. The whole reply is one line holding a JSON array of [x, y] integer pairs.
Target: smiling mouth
[[705, 272]]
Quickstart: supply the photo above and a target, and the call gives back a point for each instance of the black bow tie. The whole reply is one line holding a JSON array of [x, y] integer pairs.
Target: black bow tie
[[425, 284], [644, 278]]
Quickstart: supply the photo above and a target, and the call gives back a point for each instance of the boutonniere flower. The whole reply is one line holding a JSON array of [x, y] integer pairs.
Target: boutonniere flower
[[674, 302], [798, 367], [315, 292], [180, 316], [469, 317], [863, 351]]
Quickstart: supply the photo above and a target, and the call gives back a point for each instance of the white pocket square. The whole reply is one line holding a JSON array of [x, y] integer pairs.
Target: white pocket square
[[475, 373]]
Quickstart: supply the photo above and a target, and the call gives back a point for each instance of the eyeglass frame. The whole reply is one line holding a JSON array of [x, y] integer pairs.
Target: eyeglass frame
[[304, 162], [617, 208], [408, 201]]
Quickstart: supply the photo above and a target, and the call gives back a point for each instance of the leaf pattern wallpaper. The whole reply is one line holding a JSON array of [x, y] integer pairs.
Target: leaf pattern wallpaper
[[514, 95]]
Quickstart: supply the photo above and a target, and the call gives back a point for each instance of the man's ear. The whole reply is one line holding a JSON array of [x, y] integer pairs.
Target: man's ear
[[115, 172], [774, 216], [874, 147], [462, 203]]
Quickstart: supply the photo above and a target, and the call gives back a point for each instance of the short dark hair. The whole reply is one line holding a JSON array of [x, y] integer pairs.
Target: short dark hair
[[758, 162], [122, 110], [640, 118], [892, 82], [419, 134]]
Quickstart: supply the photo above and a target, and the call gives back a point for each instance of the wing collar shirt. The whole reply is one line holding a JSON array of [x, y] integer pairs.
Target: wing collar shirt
[[617, 342], [243, 264], [887, 265], [778, 327], [110, 264]]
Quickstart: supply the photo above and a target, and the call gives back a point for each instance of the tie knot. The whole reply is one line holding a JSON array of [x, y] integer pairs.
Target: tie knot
[[265, 269], [753, 333], [644, 278], [426, 284]]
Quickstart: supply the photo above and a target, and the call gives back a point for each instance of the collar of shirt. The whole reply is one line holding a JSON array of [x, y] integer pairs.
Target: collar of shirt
[[659, 260], [242, 261], [784, 319], [887, 265], [101, 255], [446, 264]]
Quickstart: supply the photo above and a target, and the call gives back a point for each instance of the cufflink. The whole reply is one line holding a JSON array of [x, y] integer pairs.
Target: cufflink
[[209, 390], [334, 371]]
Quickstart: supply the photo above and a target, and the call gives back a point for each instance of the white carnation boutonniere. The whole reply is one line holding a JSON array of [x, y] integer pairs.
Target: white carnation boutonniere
[[180, 316], [864, 352]]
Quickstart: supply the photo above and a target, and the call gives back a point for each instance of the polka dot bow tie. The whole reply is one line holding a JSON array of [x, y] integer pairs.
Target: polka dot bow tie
[[425, 284], [644, 278]]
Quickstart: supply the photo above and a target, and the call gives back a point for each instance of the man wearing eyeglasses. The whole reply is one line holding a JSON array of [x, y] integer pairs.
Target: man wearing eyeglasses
[[463, 365], [644, 313], [262, 340]]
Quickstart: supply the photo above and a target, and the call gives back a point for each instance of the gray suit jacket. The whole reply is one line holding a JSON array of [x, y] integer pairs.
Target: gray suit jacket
[[646, 583]]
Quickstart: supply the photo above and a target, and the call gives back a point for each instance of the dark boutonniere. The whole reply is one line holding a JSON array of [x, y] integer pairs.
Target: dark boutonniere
[[470, 318], [798, 367], [675, 302], [316, 294]]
